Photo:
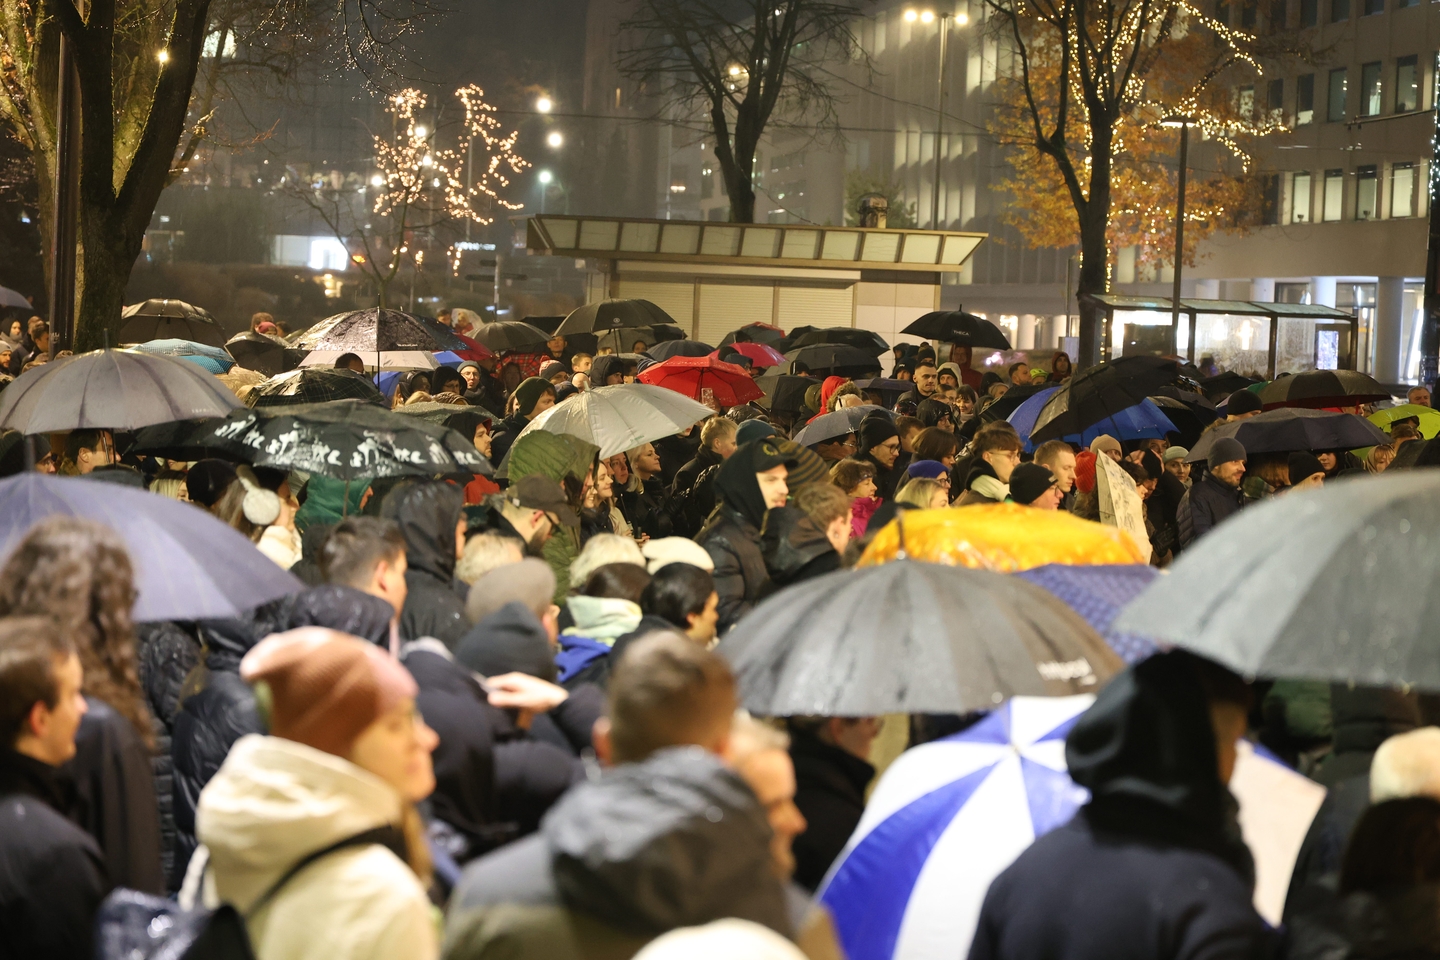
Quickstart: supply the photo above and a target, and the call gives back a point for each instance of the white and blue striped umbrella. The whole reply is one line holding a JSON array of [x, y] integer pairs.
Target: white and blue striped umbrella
[[946, 818]]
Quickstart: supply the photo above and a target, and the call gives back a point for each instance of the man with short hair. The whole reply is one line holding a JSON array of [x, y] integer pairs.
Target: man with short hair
[[1419, 395], [807, 538], [836, 449], [580, 363], [556, 347], [997, 454], [351, 362], [529, 510], [927, 381], [832, 771], [53, 877], [89, 449], [1059, 457], [1019, 374], [367, 554], [485, 551], [1033, 485], [1216, 495]]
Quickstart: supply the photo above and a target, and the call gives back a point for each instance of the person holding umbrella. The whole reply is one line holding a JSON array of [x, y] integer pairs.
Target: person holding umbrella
[[1216, 495]]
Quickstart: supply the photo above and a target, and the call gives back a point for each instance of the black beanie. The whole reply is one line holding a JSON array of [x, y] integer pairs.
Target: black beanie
[[1243, 401], [1304, 464], [875, 430], [1028, 481]]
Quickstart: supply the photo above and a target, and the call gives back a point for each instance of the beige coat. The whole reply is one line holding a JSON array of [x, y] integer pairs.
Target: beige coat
[[272, 802]]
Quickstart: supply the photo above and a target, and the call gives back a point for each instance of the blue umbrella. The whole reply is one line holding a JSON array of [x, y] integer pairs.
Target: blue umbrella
[[1143, 421], [945, 819], [449, 358], [188, 565], [217, 360], [1097, 594]]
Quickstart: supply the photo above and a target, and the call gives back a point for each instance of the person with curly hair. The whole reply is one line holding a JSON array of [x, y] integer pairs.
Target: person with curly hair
[[78, 573]]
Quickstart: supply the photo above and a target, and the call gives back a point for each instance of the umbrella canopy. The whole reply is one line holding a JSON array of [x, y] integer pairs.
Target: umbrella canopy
[[889, 389], [1101, 392], [168, 319], [666, 349], [1001, 536], [1098, 594], [111, 390], [760, 354], [260, 351], [834, 357], [1010, 402], [216, 360], [389, 359], [474, 349], [622, 339], [911, 637], [613, 315], [1428, 416], [13, 298], [1219, 387], [784, 392], [1331, 584], [867, 340], [837, 423], [342, 439], [314, 385], [1293, 428], [1142, 421], [621, 417], [730, 385], [510, 336], [188, 565], [376, 331], [943, 822], [438, 412], [753, 333], [954, 326], [1323, 388]]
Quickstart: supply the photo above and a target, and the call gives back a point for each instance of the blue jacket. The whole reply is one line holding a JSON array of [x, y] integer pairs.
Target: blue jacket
[[1205, 505]]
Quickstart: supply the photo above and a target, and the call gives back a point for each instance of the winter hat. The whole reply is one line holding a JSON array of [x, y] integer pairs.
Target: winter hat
[[927, 469], [1028, 481], [1225, 450], [207, 480], [322, 687], [1243, 401], [667, 550], [530, 582], [510, 640], [875, 431], [469, 363], [1104, 444], [550, 368], [1175, 453], [1303, 465], [1085, 471], [1151, 464], [529, 393], [753, 429]]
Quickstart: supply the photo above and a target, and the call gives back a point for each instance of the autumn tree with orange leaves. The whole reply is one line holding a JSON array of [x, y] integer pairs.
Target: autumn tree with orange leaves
[[1087, 86]]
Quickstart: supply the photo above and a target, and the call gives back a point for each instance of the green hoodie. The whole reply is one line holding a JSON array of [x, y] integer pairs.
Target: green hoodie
[[557, 456], [330, 501]]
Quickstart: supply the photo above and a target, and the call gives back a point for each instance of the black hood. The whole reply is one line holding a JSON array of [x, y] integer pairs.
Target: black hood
[[677, 840], [791, 541], [227, 641], [602, 367], [345, 609], [427, 513], [735, 482], [510, 640]]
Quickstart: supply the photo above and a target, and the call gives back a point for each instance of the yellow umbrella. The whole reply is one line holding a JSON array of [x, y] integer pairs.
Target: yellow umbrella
[[1002, 536]]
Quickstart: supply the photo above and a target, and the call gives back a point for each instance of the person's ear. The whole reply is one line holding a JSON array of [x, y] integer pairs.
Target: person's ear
[[537, 517], [600, 739], [37, 721]]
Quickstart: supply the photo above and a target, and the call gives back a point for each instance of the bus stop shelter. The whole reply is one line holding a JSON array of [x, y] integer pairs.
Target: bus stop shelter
[[1248, 337]]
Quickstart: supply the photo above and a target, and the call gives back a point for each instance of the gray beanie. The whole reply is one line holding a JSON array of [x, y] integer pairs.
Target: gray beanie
[[1225, 450]]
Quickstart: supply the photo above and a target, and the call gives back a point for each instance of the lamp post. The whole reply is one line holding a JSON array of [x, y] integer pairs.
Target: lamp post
[[929, 16], [545, 177], [1183, 122]]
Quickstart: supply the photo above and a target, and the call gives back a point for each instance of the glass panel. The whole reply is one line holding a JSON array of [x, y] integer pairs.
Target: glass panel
[[1334, 194], [1300, 198], [1366, 198], [1407, 85], [1234, 342], [1295, 347], [1373, 7], [1309, 12], [1305, 99], [1402, 190], [1245, 102], [1336, 99], [1369, 90], [1339, 10], [1275, 100]]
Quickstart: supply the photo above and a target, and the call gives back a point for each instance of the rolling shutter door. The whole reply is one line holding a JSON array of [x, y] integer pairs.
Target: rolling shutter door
[[729, 306], [817, 306], [676, 299]]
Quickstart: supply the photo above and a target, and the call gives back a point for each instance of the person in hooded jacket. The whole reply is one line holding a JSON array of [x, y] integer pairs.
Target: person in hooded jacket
[[1153, 867], [532, 398], [749, 484], [832, 772], [431, 517], [808, 538], [165, 654], [570, 462]]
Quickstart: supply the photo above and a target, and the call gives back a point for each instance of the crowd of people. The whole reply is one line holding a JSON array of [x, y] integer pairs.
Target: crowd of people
[[493, 722]]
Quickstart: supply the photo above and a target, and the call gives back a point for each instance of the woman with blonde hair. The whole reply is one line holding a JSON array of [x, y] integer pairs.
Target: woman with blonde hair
[[923, 493]]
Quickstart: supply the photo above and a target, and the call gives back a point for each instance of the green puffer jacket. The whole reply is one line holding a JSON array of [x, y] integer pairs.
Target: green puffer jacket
[[557, 456]]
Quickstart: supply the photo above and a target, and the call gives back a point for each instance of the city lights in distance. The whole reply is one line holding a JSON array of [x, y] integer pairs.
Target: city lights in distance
[[555, 139], [544, 105], [545, 176], [163, 55], [377, 181], [421, 132]]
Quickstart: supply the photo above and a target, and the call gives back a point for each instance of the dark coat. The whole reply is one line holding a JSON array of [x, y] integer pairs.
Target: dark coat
[[52, 873], [597, 671], [649, 509], [887, 479], [741, 578], [693, 492], [1162, 508], [1397, 924], [506, 432], [115, 797], [166, 653], [676, 452], [427, 514], [830, 791], [796, 548], [1204, 506]]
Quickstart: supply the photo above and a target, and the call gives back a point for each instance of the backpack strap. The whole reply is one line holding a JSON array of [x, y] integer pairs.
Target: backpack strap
[[388, 836]]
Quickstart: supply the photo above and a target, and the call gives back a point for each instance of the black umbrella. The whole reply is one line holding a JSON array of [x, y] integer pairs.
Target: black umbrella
[[511, 336], [754, 333], [548, 324], [1335, 584], [1323, 388], [954, 326], [911, 637], [1101, 392], [838, 423], [614, 315], [840, 358], [868, 341], [1217, 388], [343, 440], [1288, 429], [1190, 420], [784, 392], [168, 320], [314, 385], [1007, 404], [622, 339], [263, 353], [890, 390], [375, 331], [111, 390], [666, 349]]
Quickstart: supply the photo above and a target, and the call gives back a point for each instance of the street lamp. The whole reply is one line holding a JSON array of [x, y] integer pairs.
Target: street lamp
[[544, 104], [1182, 121], [555, 140], [929, 16], [545, 177]]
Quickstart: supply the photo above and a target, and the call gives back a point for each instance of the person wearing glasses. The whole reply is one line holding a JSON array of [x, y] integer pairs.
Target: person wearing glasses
[[997, 454], [834, 450]]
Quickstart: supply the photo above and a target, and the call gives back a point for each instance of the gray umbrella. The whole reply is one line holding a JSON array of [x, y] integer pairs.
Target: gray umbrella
[[111, 390], [837, 423], [1331, 584], [911, 637], [1293, 428], [169, 320]]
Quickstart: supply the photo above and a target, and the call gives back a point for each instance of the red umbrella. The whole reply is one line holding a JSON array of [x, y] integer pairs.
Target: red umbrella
[[475, 350], [760, 354], [730, 383]]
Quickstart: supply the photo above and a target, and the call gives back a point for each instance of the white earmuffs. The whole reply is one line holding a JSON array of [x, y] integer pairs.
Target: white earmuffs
[[260, 506]]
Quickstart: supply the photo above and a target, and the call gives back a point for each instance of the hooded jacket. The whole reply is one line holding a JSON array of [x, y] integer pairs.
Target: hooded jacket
[[557, 456], [1153, 867], [603, 367], [693, 491], [427, 513], [796, 548], [273, 802], [52, 874], [165, 654], [677, 840], [329, 501], [732, 534], [1204, 506]]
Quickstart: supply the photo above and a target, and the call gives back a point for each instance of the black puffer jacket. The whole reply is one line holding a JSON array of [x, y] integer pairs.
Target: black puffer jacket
[[693, 493], [1397, 924], [741, 578], [507, 431], [796, 548], [427, 514], [166, 654], [650, 510], [1204, 506]]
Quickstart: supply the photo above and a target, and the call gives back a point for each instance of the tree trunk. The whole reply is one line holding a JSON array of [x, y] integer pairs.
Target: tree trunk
[[742, 201], [1094, 279], [107, 257]]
